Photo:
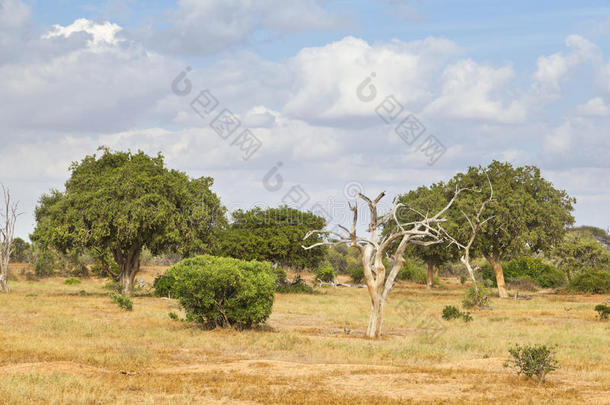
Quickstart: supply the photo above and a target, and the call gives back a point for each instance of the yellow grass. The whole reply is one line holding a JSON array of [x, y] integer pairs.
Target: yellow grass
[[57, 346]]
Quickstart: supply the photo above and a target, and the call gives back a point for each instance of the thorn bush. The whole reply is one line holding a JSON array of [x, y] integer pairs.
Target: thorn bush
[[532, 361]]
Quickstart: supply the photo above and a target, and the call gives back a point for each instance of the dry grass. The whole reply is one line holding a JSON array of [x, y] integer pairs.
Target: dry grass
[[57, 346]]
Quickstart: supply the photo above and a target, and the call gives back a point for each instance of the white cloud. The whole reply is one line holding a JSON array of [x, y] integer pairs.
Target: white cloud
[[594, 107], [102, 33]]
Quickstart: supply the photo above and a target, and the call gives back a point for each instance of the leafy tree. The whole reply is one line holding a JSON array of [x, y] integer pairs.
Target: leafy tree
[[117, 203], [419, 203], [274, 235], [527, 214], [21, 251], [579, 250]]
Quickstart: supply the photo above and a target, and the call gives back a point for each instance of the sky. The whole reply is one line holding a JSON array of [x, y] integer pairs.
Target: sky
[[307, 102]]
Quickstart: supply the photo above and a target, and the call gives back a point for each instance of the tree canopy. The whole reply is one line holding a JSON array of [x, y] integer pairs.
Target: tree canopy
[[272, 234], [528, 214], [117, 203]]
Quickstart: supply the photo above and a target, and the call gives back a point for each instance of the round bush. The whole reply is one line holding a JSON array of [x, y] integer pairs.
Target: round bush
[[326, 273], [591, 282], [541, 273], [222, 291], [163, 285]]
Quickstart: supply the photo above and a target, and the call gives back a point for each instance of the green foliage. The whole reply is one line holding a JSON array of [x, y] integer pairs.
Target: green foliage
[[472, 299], [21, 251], [326, 273], [450, 312], [532, 361], [579, 251], [413, 270], [121, 300], [112, 286], [356, 272], [541, 273], [163, 285], [224, 292], [174, 316], [603, 311], [72, 281], [297, 286], [119, 202], [591, 282], [527, 215], [44, 266], [274, 235], [280, 274]]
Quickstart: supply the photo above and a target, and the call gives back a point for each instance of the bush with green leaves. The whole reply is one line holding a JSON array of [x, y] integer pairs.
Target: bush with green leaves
[[591, 282], [163, 285], [541, 273], [450, 312], [72, 281], [603, 311], [413, 270], [44, 265], [326, 273], [121, 300], [297, 286], [472, 299], [224, 292], [356, 272], [532, 361]]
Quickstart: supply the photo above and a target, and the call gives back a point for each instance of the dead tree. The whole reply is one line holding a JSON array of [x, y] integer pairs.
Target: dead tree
[[8, 218], [376, 246]]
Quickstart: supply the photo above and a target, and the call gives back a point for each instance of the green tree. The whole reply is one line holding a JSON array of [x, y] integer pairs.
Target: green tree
[[117, 203], [274, 235], [419, 203], [21, 251], [579, 250], [528, 214]]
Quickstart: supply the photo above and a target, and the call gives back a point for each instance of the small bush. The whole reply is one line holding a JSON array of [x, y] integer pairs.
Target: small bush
[[280, 274], [121, 300], [163, 285], [44, 266], [174, 316], [326, 273], [298, 286], [224, 292], [532, 361], [413, 272], [542, 274], [591, 282], [472, 300], [603, 311], [463, 279], [450, 312], [356, 272], [72, 281]]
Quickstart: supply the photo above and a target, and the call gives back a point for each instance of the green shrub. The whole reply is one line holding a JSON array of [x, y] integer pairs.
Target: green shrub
[[280, 274], [224, 292], [356, 272], [112, 286], [472, 299], [450, 312], [174, 316], [326, 273], [532, 361], [72, 281], [297, 286], [121, 300], [413, 271], [603, 311], [163, 285], [591, 282], [541, 273], [44, 266]]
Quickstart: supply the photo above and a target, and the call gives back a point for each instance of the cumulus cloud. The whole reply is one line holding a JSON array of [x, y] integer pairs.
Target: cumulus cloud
[[204, 27], [594, 107]]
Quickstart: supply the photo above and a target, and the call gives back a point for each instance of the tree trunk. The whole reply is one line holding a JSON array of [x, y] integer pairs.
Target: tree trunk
[[430, 279], [497, 266], [436, 270], [130, 266], [376, 318], [4, 275]]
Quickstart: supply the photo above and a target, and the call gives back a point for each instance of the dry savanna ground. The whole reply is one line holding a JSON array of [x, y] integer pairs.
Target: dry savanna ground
[[58, 345]]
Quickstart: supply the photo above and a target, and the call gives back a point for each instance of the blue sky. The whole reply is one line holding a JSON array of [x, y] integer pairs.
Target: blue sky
[[520, 81]]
